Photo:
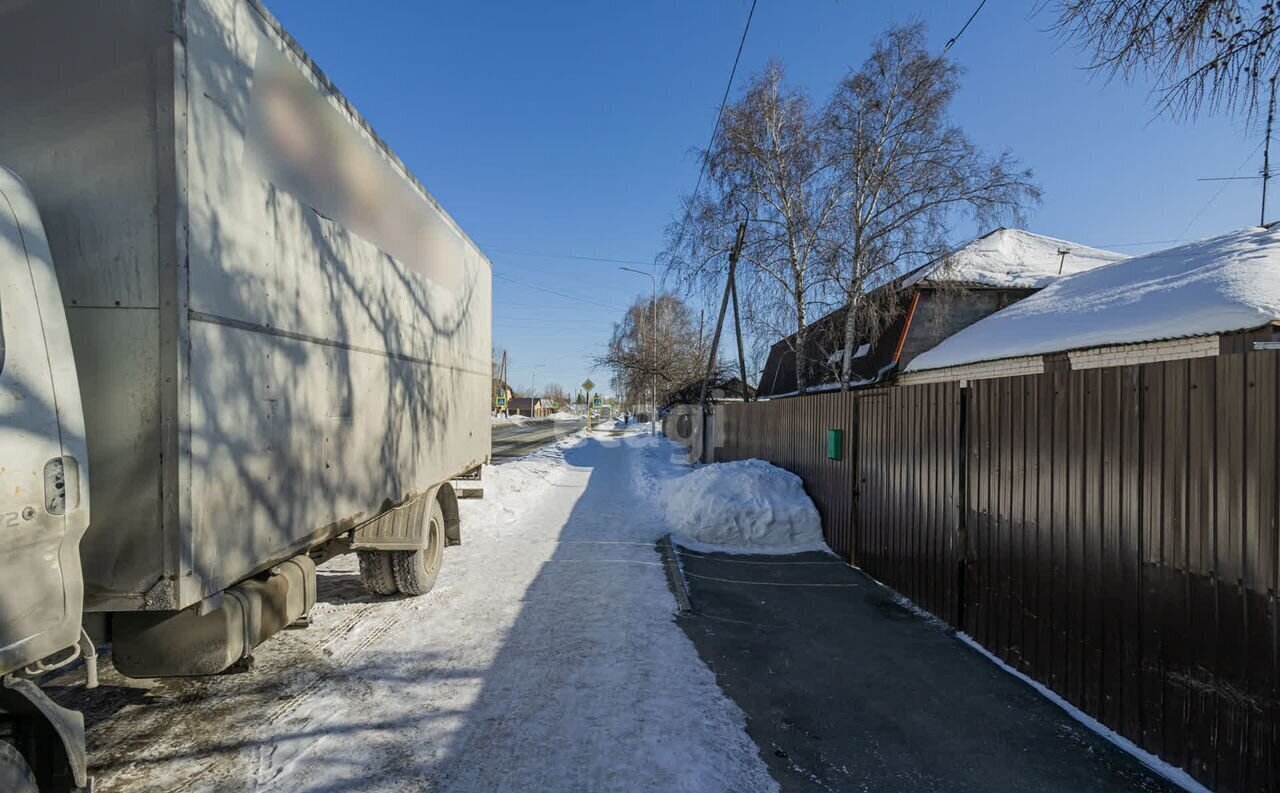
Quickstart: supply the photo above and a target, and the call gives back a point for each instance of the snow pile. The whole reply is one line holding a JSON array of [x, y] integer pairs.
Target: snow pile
[[748, 505], [565, 416], [507, 421], [1221, 284], [1015, 258]]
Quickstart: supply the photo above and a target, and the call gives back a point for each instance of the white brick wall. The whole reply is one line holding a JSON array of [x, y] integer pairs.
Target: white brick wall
[[1009, 367], [1093, 358], [1147, 352]]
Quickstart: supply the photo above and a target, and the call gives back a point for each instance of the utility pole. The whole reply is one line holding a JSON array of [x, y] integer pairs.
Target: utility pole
[[724, 306], [502, 383], [737, 327]]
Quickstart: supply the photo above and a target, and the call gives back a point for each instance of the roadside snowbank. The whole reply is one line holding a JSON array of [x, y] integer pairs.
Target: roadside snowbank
[[517, 421], [746, 505]]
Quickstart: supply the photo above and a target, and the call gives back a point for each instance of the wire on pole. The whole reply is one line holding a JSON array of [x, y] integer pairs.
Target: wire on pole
[[963, 28], [725, 99]]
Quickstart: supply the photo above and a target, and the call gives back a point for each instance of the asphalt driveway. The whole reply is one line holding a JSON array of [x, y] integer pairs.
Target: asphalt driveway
[[845, 689]]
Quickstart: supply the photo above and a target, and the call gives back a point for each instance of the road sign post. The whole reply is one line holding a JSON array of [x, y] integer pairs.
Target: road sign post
[[587, 386]]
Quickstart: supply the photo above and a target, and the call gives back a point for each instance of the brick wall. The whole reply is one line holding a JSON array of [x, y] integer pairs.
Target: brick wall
[[1009, 367], [1148, 352], [1092, 358]]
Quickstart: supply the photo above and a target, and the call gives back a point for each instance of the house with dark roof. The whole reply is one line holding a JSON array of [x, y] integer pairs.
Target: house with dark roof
[[533, 407], [933, 303], [718, 389]]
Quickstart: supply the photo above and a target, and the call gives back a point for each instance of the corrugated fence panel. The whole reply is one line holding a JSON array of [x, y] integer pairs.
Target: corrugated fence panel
[[792, 434], [907, 520], [1113, 533]]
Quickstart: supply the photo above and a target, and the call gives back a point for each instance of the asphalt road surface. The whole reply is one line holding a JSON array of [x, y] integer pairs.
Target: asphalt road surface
[[845, 689], [512, 441]]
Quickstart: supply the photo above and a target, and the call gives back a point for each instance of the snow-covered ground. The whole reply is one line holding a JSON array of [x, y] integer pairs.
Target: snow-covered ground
[[546, 658], [512, 421], [521, 421]]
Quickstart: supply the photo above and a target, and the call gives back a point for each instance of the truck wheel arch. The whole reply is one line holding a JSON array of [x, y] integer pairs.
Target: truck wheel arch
[[64, 728]]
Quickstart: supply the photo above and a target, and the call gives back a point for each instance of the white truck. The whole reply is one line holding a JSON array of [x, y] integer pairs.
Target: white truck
[[233, 324]]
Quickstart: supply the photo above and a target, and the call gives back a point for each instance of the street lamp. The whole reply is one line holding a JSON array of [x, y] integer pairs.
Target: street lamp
[[653, 381], [533, 388]]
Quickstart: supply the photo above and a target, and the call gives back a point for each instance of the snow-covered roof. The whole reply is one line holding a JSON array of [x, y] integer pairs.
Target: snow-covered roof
[[1013, 258], [1217, 285]]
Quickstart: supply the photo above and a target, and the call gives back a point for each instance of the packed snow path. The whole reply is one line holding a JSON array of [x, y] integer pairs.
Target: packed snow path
[[546, 658]]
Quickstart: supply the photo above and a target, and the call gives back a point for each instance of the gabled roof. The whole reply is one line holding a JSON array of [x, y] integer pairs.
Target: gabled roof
[[1012, 258], [1004, 259], [1217, 285]]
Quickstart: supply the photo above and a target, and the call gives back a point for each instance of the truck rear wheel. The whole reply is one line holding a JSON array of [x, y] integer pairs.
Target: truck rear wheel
[[15, 774], [416, 571], [376, 573]]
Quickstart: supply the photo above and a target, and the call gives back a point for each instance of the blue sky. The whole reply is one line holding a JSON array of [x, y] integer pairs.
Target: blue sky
[[567, 128]]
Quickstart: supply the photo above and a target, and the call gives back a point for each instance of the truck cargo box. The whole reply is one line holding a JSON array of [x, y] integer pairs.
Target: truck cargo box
[[279, 333]]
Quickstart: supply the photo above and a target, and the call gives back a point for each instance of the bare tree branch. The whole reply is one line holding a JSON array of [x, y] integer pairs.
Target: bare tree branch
[[1204, 55]]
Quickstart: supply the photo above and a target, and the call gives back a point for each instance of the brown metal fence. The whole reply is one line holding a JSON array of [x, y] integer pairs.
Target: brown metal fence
[[792, 434], [1111, 533]]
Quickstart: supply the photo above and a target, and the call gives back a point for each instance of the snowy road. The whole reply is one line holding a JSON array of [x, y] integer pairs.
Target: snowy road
[[512, 441], [546, 658]]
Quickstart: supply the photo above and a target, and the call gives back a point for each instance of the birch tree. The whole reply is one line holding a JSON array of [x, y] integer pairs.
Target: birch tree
[[641, 356], [767, 165], [904, 176]]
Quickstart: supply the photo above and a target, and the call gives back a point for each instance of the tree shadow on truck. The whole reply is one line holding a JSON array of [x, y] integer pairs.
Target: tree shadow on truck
[[264, 370]]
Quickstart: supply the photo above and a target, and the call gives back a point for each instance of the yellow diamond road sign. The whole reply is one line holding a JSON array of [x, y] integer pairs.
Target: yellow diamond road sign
[[588, 385]]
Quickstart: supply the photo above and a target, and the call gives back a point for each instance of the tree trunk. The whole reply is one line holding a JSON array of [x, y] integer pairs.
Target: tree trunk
[[802, 371], [850, 339]]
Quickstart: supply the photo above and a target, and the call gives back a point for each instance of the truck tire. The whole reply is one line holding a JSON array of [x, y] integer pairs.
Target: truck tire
[[376, 573], [15, 774], [416, 571]]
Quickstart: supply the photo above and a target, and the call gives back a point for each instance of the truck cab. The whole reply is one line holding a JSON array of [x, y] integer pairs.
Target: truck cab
[[44, 505]]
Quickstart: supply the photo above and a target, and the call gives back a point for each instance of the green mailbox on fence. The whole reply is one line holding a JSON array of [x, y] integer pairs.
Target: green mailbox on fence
[[835, 444]]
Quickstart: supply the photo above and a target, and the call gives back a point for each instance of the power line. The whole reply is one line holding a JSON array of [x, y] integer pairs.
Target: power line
[[566, 296], [1106, 245], [725, 99], [543, 255], [551, 320], [965, 27], [506, 304], [1225, 185]]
